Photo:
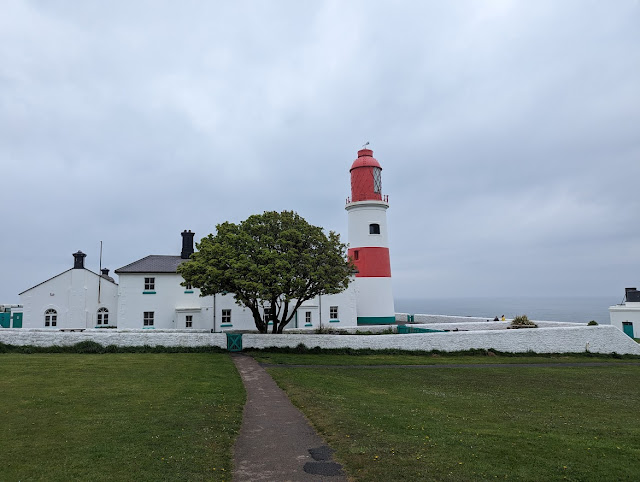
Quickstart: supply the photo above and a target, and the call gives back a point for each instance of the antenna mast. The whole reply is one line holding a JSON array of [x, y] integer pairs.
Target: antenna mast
[[100, 273]]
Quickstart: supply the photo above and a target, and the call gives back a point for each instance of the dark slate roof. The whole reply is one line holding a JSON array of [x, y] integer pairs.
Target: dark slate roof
[[153, 263]]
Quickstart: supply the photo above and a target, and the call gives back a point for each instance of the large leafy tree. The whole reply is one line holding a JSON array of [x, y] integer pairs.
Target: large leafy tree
[[270, 259]]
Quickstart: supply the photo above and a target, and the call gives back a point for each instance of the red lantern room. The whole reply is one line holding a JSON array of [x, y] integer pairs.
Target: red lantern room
[[366, 177]]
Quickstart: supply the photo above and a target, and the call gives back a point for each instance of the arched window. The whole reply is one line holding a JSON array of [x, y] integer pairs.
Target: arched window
[[374, 228], [103, 316], [51, 317]]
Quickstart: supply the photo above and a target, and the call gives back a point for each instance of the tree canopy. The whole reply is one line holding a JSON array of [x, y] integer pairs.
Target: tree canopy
[[273, 259]]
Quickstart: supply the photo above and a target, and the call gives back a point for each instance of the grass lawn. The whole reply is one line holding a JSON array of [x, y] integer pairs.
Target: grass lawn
[[456, 424], [409, 359], [118, 416]]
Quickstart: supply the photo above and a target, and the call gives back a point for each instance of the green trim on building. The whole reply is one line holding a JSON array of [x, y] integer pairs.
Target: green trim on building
[[309, 324], [376, 320], [226, 325], [189, 291], [148, 292], [334, 321]]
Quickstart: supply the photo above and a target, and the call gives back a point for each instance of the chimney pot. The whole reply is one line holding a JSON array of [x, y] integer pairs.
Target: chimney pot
[[187, 244], [78, 260]]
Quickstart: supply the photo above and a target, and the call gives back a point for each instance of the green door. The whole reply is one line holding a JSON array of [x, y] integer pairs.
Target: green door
[[5, 320], [234, 341], [627, 327], [17, 320]]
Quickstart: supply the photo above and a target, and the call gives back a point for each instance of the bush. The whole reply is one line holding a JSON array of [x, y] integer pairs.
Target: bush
[[522, 320], [592, 323]]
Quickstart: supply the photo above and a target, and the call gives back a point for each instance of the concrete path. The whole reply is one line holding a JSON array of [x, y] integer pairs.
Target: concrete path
[[276, 442]]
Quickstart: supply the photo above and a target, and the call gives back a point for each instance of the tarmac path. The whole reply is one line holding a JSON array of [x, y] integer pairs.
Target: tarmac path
[[276, 441]]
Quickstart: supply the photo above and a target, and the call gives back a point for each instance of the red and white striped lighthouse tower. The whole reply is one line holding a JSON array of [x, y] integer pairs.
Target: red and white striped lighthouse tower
[[368, 241]]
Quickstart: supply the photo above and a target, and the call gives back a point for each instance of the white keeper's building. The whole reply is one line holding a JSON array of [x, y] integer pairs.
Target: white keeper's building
[[149, 294]]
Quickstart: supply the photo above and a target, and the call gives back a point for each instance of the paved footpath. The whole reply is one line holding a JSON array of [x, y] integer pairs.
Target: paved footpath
[[276, 442]]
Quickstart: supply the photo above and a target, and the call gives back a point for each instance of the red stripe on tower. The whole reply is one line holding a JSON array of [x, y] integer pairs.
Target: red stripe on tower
[[371, 262]]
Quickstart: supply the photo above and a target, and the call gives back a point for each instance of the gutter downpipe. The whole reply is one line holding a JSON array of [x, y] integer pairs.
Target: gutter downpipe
[[214, 313]]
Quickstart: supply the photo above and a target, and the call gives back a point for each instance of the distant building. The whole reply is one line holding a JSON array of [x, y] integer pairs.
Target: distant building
[[75, 299], [626, 316]]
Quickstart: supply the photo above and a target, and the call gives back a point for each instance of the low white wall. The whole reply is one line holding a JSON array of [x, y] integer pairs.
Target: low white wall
[[596, 339], [572, 339], [113, 337]]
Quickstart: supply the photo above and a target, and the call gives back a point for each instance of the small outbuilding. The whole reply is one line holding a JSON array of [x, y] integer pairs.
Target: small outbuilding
[[75, 299]]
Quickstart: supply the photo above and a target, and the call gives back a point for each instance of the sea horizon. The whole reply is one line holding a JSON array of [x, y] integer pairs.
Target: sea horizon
[[575, 309]]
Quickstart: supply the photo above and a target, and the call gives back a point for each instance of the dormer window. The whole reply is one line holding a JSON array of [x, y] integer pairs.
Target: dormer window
[[377, 180], [374, 228]]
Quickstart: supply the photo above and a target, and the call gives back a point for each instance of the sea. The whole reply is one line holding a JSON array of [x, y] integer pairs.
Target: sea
[[570, 308]]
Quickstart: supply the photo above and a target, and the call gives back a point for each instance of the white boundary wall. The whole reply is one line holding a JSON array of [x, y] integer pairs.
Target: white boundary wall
[[578, 339], [596, 339], [172, 338]]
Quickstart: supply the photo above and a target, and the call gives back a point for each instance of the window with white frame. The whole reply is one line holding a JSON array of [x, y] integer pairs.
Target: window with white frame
[[333, 312], [374, 228], [189, 321], [307, 317], [50, 317], [103, 316], [149, 284], [226, 316], [148, 318]]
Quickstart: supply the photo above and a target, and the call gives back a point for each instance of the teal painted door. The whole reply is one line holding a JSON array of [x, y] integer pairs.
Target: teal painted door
[[5, 320], [17, 320], [234, 341], [627, 327]]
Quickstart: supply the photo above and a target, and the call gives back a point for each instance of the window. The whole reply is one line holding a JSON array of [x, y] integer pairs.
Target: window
[[188, 286], [266, 317], [226, 316], [307, 317], [333, 312], [377, 180], [355, 255], [50, 317], [189, 321], [148, 318], [374, 228], [149, 284], [103, 316]]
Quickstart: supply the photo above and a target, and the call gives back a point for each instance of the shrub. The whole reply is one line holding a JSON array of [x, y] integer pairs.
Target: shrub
[[522, 320], [592, 323]]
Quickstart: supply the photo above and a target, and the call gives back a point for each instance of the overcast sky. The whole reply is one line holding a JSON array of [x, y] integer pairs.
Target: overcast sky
[[508, 133]]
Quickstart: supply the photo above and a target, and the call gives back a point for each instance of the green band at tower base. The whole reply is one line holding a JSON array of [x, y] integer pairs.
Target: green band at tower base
[[376, 320]]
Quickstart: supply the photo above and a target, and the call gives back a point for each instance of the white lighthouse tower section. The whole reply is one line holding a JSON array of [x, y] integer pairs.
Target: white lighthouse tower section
[[369, 242]]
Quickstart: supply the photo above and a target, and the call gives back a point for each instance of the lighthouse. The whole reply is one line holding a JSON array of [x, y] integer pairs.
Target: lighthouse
[[369, 242]]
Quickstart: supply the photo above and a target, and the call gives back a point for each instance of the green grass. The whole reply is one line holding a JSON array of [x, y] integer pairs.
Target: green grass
[[280, 358], [118, 416], [474, 423]]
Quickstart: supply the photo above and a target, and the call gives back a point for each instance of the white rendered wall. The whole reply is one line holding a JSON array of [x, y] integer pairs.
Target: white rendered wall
[[596, 339], [190, 338], [628, 312], [171, 304], [375, 297], [74, 296], [360, 215]]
